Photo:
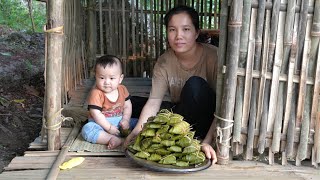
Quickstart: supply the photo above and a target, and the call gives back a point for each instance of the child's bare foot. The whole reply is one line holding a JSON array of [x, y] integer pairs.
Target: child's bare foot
[[114, 142]]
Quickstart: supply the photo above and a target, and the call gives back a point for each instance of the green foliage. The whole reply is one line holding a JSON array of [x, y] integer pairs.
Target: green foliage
[[15, 14]]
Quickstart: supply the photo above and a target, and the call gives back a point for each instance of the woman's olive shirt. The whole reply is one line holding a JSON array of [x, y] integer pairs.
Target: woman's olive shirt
[[169, 75]]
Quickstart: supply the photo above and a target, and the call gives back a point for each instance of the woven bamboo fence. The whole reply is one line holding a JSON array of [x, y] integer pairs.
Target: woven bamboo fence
[[268, 81], [134, 30]]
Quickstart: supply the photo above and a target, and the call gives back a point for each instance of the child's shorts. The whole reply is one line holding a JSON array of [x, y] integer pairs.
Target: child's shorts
[[90, 131]]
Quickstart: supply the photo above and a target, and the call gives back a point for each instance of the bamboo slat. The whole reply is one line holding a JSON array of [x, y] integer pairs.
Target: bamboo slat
[[228, 99], [238, 116], [255, 83], [286, 67], [276, 92], [301, 33], [302, 103], [272, 42], [101, 27]]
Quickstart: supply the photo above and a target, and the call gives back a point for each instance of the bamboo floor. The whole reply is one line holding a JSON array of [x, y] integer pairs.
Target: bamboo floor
[[37, 163]]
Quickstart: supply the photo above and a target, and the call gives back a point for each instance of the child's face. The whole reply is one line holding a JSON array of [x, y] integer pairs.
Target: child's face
[[108, 78]]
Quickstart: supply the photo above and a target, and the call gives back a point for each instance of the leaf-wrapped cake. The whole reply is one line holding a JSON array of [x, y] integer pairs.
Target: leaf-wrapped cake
[[167, 139]]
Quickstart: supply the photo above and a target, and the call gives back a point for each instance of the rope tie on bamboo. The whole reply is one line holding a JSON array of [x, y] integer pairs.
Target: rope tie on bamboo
[[58, 124], [56, 30], [220, 133]]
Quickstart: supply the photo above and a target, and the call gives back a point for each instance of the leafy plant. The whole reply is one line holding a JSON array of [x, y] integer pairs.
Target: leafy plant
[[15, 14]]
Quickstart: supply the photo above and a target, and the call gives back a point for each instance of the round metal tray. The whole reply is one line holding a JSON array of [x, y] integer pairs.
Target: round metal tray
[[167, 168]]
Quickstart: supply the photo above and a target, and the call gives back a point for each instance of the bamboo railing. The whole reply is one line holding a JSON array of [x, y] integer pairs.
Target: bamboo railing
[[276, 111]]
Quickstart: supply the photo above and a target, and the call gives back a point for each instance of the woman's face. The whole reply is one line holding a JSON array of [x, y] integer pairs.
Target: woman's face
[[181, 32]]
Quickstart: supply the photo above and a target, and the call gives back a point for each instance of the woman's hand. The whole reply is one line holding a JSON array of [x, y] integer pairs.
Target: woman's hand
[[209, 152], [113, 130], [130, 138]]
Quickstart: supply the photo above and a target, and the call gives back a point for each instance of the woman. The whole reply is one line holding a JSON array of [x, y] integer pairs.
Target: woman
[[187, 70]]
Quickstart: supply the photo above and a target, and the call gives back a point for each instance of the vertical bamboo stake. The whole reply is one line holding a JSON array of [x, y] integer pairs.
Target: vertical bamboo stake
[[161, 28], [228, 100], [92, 37], [301, 33], [133, 31], [116, 37], [107, 27], [238, 116], [315, 36], [216, 22], [261, 102], [111, 30], [286, 53], [275, 95], [142, 43], [151, 37], [255, 82], [53, 72], [222, 52], [291, 94], [315, 112], [272, 43], [101, 27], [124, 35], [302, 116]]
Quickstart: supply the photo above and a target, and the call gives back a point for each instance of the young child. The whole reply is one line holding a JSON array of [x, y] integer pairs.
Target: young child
[[109, 104]]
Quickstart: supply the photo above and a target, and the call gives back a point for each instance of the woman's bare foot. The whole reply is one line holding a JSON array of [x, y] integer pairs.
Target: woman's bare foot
[[114, 142]]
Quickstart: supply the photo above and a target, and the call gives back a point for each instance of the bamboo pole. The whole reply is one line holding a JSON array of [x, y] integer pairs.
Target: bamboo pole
[[291, 97], [133, 36], [276, 95], [53, 72], [124, 35], [248, 85], [301, 35], [315, 36], [222, 52], [255, 83], [228, 99], [116, 38], [264, 74], [54, 170], [101, 27], [315, 107], [151, 52], [92, 38], [303, 110], [238, 116], [288, 36], [272, 41], [315, 112], [111, 31], [142, 43]]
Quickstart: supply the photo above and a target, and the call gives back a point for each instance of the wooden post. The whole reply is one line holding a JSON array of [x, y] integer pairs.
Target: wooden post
[[228, 99], [92, 37], [53, 72]]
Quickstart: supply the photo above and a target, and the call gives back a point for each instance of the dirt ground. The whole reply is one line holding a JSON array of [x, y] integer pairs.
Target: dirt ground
[[21, 91]]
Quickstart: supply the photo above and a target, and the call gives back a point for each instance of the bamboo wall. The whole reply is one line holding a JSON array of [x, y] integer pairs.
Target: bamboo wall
[[268, 81], [134, 31]]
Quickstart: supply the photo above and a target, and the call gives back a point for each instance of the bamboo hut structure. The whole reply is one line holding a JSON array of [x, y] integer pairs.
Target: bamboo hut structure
[[268, 80]]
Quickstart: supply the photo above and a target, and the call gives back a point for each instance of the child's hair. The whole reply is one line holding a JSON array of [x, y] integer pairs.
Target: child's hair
[[183, 9], [108, 60]]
